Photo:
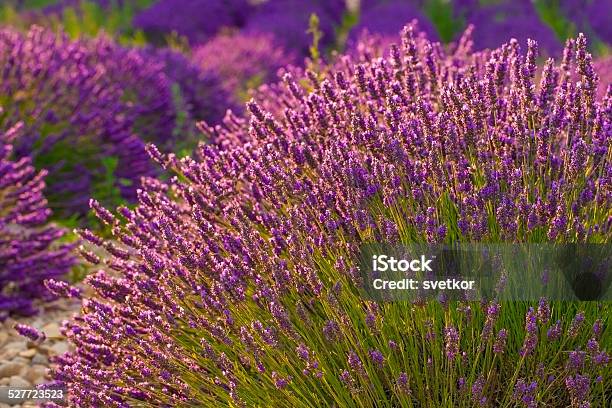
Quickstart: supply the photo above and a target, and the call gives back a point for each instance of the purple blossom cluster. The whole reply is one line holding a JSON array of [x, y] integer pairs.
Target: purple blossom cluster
[[29, 248], [100, 102], [235, 282]]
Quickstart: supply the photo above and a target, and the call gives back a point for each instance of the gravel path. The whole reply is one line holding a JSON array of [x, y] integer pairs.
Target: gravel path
[[23, 363]]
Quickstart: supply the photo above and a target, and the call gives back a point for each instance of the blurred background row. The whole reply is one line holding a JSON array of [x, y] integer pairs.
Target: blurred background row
[[193, 23]]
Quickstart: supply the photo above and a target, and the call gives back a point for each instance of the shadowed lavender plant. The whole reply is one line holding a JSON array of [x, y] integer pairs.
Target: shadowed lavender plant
[[386, 18], [198, 20], [288, 22], [235, 284], [29, 252], [97, 100], [495, 23]]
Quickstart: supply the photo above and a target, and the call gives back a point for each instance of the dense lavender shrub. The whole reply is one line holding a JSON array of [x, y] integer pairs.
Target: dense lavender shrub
[[497, 22], [591, 16], [198, 20], [199, 92], [386, 18], [29, 252], [235, 284], [94, 99], [288, 22], [242, 61]]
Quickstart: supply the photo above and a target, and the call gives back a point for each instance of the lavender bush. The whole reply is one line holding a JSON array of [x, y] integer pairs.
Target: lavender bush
[[591, 16], [242, 61], [288, 22], [198, 20], [495, 23], [96, 100], [236, 284], [199, 92], [386, 18], [29, 252]]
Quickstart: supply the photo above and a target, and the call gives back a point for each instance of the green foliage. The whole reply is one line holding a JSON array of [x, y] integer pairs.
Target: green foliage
[[440, 12], [315, 31], [88, 19]]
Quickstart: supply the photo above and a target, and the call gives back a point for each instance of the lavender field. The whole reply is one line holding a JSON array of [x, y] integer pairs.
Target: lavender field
[[197, 196]]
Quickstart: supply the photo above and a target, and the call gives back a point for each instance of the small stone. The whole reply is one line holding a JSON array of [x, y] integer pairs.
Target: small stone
[[10, 350], [19, 382], [36, 374], [58, 348], [3, 337], [9, 323], [52, 330], [9, 369], [28, 353], [40, 359]]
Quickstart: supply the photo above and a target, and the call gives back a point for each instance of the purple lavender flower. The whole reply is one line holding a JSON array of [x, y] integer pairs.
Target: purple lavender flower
[[575, 360], [500, 341], [403, 384], [543, 311], [525, 393], [451, 339], [280, 382], [597, 328], [576, 324], [377, 358], [478, 389], [531, 339], [554, 332], [29, 252], [30, 332], [578, 387]]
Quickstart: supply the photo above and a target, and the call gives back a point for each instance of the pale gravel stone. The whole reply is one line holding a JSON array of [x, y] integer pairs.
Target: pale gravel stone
[[58, 348], [52, 330], [40, 359], [23, 362], [19, 382], [36, 374], [28, 353], [9, 369]]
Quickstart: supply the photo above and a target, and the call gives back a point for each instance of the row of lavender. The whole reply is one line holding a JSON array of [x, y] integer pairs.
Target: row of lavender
[[200, 20], [235, 283], [85, 110]]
